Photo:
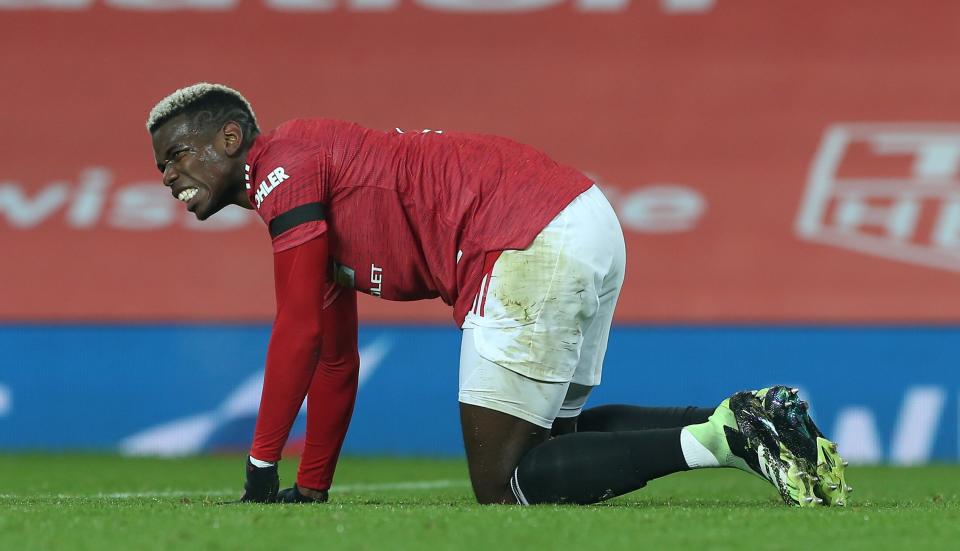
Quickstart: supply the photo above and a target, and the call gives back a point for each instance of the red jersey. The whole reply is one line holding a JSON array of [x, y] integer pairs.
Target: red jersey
[[412, 214]]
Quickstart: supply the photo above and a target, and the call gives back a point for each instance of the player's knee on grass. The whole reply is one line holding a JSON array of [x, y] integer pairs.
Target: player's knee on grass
[[495, 442]]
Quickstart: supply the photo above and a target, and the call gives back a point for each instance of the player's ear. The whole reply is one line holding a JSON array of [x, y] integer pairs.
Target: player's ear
[[232, 138]]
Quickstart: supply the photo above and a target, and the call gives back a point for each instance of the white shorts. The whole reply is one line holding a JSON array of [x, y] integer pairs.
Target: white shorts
[[542, 318]]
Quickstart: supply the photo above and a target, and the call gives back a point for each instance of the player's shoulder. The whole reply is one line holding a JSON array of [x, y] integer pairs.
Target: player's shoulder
[[271, 151], [298, 137], [313, 129]]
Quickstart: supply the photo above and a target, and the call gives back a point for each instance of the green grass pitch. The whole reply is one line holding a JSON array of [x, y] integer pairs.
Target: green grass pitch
[[109, 502]]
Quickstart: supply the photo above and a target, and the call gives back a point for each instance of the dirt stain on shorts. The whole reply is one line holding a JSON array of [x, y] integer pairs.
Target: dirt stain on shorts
[[538, 301]]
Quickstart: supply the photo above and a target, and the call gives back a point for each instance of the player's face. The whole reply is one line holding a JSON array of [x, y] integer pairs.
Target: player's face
[[196, 166]]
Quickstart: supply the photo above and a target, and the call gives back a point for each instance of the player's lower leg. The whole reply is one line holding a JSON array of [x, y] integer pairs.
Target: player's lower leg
[[584, 467], [596, 463], [766, 433], [588, 467]]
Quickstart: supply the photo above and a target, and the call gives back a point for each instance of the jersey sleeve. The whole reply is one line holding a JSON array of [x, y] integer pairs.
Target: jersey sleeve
[[288, 189], [313, 348]]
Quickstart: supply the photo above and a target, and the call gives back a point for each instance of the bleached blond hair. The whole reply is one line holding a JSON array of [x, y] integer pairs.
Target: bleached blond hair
[[213, 103]]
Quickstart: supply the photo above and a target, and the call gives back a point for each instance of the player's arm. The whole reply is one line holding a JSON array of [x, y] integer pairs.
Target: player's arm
[[295, 343], [332, 394], [301, 344]]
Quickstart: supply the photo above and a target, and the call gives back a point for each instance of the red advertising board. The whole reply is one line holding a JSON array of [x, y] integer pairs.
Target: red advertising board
[[791, 161]]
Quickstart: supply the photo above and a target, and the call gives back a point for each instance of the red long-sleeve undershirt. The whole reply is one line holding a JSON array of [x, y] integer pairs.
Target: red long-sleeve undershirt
[[312, 354]]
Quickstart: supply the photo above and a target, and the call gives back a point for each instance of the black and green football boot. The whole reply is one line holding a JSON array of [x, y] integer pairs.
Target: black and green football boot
[[741, 435], [804, 440]]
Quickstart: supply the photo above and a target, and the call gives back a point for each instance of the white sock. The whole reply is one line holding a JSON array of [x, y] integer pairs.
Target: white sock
[[260, 464], [695, 453]]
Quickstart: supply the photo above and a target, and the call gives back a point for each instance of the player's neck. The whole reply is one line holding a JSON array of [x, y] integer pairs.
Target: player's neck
[[238, 181]]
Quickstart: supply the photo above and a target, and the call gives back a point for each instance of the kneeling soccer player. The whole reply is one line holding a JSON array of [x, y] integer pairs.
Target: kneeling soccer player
[[530, 255]]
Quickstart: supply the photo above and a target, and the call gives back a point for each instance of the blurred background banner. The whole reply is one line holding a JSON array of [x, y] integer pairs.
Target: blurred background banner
[[787, 161], [789, 164]]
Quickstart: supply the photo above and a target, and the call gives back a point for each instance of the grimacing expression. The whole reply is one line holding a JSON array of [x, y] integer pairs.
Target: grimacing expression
[[198, 165]]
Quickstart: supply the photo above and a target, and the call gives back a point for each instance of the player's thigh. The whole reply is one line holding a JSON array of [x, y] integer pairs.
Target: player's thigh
[[530, 313], [545, 311], [485, 383]]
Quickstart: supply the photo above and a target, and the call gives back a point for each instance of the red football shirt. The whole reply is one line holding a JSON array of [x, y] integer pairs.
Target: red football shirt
[[410, 214]]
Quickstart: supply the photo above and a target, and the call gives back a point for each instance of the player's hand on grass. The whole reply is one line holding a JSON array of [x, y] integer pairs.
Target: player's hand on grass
[[262, 484], [301, 495]]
